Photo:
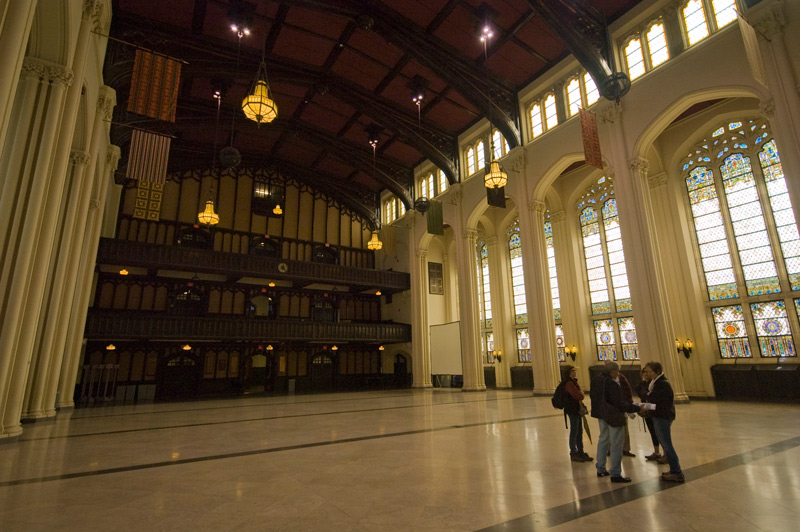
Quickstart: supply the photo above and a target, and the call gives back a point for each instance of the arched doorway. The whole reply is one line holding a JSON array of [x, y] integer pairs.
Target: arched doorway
[[402, 379], [322, 374], [180, 378]]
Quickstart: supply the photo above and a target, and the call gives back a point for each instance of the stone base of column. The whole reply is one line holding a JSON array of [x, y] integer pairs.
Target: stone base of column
[[11, 433], [65, 404], [682, 399], [421, 386], [39, 417], [477, 388]]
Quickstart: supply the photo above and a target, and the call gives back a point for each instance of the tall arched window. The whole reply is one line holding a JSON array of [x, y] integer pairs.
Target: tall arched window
[[480, 152], [573, 96], [604, 259], [739, 201], [471, 166], [554, 294], [485, 301], [518, 293]]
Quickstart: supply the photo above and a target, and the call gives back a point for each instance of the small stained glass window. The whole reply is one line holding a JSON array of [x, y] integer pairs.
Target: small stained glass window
[[523, 345], [657, 45], [481, 155], [471, 167], [628, 339], [604, 338], [560, 343], [550, 113], [442, 181], [486, 291], [772, 329], [517, 275], [731, 332]]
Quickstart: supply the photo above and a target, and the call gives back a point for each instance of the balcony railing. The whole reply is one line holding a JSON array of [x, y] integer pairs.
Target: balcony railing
[[117, 326], [127, 253]]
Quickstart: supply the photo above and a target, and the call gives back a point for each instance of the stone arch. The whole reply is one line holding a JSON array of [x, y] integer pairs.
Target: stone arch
[[50, 35]]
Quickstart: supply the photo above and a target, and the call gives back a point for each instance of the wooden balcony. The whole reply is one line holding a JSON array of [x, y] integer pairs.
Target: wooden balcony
[[116, 326], [232, 265]]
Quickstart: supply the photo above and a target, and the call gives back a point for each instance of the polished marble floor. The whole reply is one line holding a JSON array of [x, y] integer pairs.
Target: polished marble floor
[[391, 461]]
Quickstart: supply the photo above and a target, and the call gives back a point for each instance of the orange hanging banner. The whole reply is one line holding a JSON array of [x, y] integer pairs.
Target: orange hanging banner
[[154, 86]]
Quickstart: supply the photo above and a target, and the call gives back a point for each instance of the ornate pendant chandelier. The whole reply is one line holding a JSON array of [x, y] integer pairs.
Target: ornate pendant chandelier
[[257, 105], [374, 243]]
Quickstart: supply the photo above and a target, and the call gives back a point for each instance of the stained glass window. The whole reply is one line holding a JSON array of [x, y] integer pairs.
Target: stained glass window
[[595, 261], [523, 345], [724, 11], [471, 168], [634, 58], [657, 45], [731, 332], [560, 343], [517, 275], [772, 329], [616, 257], [749, 226], [573, 96], [488, 347], [485, 287], [710, 230], [536, 121], [550, 114], [782, 211], [592, 94], [551, 265], [604, 337], [694, 18], [628, 339], [497, 142]]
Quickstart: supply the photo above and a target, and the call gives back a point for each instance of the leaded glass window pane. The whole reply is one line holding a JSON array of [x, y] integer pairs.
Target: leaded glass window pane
[[480, 153], [749, 227], [731, 332], [485, 286], [523, 346], [772, 329], [560, 343], [595, 262], [536, 121], [657, 44], [628, 339], [694, 17], [517, 275], [604, 338], [442, 181], [471, 168], [592, 94], [635, 58], [550, 114], [724, 11], [574, 96], [710, 230], [551, 265], [488, 347], [781, 211], [497, 142], [616, 258]]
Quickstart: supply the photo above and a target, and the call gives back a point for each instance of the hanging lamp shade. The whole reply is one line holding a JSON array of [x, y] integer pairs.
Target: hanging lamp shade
[[257, 105], [374, 243], [208, 216], [496, 177]]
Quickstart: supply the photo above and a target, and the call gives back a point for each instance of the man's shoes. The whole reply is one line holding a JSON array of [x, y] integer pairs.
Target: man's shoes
[[625, 479], [586, 457], [652, 457], [662, 459], [603, 473], [628, 453], [576, 458], [671, 477]]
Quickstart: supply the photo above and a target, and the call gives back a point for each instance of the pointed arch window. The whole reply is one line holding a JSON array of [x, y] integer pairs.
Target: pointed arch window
[[694, 19], [646, 49], [537, 125], [739, 201], [573, 96], [554, 294], [485, 300], [518, 292], [550, 113], [471, 166], [592, 94], [480, 152]]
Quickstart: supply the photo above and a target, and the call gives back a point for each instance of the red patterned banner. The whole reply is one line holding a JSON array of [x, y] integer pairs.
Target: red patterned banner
[[591, 141], [154, 86]]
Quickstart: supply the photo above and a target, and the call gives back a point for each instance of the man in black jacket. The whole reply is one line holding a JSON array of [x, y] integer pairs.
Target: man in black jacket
[[609, 408], [661, 403]]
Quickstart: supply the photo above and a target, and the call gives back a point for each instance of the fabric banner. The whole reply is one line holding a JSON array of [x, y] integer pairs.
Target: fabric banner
[[591, 140], [154, 86], [389, 238], [496, 197], [752, 51], [148, 158], [435, 218]]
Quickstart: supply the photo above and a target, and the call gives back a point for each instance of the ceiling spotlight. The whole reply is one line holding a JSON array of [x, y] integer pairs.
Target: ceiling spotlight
[[486, 33], [373, 135]]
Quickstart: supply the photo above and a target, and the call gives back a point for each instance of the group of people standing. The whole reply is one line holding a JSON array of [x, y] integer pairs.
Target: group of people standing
[[612, 403]]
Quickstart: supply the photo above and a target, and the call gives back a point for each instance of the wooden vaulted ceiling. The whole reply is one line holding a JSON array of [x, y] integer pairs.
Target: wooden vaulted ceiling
[[337, 67]]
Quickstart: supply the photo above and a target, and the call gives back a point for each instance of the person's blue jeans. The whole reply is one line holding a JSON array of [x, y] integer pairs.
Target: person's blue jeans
[[575, 434], [610, 438], [663, 428]]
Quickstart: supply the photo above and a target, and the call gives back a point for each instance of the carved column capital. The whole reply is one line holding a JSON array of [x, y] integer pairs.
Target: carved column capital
[[657, 180], [106, 101], [421, 253], [639, 165], [767, 108], [113, 155], [59, 75], [94, 204], [538, 207], [93, 11], [33, 68], [490, 240], [610, 113], [516, 159], [471, 235], [768, 21], [79, 157], [558, 217]]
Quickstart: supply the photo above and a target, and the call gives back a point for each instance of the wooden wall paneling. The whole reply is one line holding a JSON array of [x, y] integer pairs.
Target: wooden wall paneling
[[333, 233], [291, 364], [320, 220], [105, 296], [137, 366], [291, 214], [305, 216], [294, 306], [134, 300], [209, 364], [214, 301], [233, 364], [120, 297], [345, 230], [124, 371], [189, 204], [302, 363], [226, 305], [170, 199], [239, 302], [162, 297], [222, 365], [305, 307], [151, 366], [148, 297], [284, 308]]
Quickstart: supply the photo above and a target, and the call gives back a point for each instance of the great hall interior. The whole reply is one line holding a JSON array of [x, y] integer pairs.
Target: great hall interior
[[316, 264]]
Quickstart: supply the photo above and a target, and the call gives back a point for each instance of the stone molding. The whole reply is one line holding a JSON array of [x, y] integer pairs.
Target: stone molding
[[79, 157]]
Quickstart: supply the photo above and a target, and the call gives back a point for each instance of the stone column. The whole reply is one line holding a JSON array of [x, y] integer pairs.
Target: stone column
[[783, 109], [15, 29], [420, 327], [539, 299], [471, 364], [29, 179], [83, 290]]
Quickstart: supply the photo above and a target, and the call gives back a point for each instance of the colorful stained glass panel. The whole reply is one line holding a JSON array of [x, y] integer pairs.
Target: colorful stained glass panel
[[605, 340], [731, 332], [628, 338], [772, 328]]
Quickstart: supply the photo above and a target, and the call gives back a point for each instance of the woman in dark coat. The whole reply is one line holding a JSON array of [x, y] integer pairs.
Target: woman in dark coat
[[573, 399]]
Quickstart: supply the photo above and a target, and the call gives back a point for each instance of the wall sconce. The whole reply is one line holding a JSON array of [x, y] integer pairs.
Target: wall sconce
[[571, 352], [186, 347], [497, 354], [377, 292], [111, 347], [381, 348], [334, 348], [685, 348], [270, 348], [123, 271]]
